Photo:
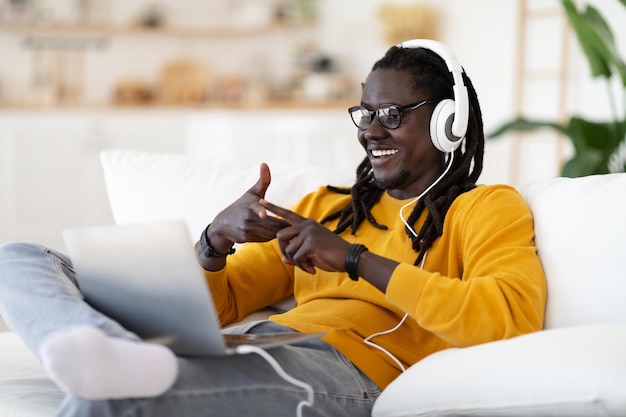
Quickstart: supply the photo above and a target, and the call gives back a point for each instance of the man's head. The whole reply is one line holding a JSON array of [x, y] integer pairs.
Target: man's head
[[402, 158], [411, 75]]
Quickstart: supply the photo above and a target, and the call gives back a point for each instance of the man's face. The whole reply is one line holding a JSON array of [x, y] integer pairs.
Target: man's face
[[404, 161]]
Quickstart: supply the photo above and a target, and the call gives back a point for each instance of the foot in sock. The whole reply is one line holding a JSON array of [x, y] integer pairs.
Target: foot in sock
[[86, 362]]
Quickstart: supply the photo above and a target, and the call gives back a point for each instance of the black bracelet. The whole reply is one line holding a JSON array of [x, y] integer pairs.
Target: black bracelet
[[352, 260], [208, 251]]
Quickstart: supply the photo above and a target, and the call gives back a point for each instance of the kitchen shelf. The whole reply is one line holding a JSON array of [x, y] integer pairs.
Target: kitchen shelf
[[72, 29], [269, 105]]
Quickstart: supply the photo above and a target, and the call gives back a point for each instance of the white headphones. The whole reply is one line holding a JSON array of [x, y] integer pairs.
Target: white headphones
[[448, 124]]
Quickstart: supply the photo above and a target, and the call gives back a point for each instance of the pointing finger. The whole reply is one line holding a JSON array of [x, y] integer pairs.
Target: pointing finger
[[288, 215]]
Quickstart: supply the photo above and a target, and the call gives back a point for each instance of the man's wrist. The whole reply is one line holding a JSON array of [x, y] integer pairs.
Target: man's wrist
[[352, 260], [207, 249]]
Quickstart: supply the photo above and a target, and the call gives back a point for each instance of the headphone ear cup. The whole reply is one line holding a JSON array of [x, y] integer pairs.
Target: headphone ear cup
[[441, 127]]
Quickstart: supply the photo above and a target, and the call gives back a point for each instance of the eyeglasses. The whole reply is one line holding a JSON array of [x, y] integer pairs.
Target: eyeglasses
[[389, 115]]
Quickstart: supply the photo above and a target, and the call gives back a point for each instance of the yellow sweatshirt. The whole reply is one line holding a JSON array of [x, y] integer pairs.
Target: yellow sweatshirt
[[481, 281]]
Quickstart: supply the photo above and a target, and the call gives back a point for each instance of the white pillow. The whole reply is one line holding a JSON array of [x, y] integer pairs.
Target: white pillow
[[580, 226], [144, 186], [574, 371]]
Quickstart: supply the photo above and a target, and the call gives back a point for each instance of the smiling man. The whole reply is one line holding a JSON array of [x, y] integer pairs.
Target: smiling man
[[414, 258]]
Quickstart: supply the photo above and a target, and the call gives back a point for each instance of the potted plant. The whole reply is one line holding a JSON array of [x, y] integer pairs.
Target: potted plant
[[599, 146]]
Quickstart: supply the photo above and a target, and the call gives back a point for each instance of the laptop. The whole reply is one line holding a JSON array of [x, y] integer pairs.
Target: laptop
[[146, 277]]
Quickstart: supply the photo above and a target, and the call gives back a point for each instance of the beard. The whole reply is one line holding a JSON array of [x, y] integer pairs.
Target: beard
[[392, 183]]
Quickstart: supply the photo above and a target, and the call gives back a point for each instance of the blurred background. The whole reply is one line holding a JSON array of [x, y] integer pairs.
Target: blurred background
[[255, 80]]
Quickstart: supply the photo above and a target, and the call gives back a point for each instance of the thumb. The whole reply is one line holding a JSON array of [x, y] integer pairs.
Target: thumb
[[265, 178]]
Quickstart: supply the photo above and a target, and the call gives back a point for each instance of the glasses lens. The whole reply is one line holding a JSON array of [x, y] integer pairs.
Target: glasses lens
[[389, 116], [361, 117]]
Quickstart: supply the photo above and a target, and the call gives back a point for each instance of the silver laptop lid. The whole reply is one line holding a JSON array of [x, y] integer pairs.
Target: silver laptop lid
[[146, 277]]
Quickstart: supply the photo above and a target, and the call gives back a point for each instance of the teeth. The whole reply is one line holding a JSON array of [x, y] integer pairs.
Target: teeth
[[383, 152]]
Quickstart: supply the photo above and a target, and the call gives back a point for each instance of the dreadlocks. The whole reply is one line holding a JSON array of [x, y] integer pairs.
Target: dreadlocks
[[430, 75]]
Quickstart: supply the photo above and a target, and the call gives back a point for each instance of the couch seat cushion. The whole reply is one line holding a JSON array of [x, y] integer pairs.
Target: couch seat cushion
[[25, 390]]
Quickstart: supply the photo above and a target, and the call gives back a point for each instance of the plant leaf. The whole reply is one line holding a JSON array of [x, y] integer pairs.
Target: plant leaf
[[596, 40], [594, 142], [522, 124], [592, 135], [604, 136], [588, 163], [588, 39]]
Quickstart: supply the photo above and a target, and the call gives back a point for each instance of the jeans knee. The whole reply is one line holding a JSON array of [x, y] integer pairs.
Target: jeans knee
[[11, 256], [20, 259], [16, 250]]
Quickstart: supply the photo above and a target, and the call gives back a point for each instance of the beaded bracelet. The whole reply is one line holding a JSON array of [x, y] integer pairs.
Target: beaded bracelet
[[352, 260], [208, 251]]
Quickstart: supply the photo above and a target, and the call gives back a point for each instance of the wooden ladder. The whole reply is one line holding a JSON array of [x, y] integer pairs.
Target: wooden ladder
[[536, 21]]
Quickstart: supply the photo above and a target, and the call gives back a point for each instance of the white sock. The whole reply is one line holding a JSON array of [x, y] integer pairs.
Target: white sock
[[86, 362]]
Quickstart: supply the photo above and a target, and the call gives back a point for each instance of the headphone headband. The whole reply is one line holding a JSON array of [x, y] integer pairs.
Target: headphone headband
[[461, 100]]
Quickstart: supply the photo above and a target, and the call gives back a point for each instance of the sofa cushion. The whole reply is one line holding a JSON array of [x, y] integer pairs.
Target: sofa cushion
[[574, 371], [144, 186], [25, 390], [580, 224]]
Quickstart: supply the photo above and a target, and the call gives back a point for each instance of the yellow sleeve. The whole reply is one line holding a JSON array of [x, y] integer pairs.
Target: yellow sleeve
[[490, 284], [254, 277]]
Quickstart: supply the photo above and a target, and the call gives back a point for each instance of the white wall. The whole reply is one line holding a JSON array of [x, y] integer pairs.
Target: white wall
[[483, 35], [481, 32]]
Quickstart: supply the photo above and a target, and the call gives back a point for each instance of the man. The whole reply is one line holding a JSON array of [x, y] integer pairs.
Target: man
[[412, 259]]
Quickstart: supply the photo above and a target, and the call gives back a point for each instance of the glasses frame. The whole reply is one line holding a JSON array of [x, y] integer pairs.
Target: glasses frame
[[401, 110]]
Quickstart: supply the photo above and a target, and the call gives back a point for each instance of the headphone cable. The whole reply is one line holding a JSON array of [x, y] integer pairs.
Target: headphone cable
[[443, 174]]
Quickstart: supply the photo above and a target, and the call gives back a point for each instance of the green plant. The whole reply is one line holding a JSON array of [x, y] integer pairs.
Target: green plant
[[599, 146]]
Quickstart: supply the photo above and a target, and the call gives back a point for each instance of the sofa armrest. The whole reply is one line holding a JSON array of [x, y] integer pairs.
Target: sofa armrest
[[572, 371]]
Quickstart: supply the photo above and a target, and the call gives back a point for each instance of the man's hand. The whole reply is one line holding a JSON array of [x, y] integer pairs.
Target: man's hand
[[246, 220], [307, 244]]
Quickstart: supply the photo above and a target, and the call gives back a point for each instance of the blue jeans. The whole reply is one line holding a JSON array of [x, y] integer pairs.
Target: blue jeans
[[39, 295]]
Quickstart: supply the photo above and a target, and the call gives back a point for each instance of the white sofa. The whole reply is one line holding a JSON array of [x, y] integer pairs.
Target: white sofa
[[576, 366]]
